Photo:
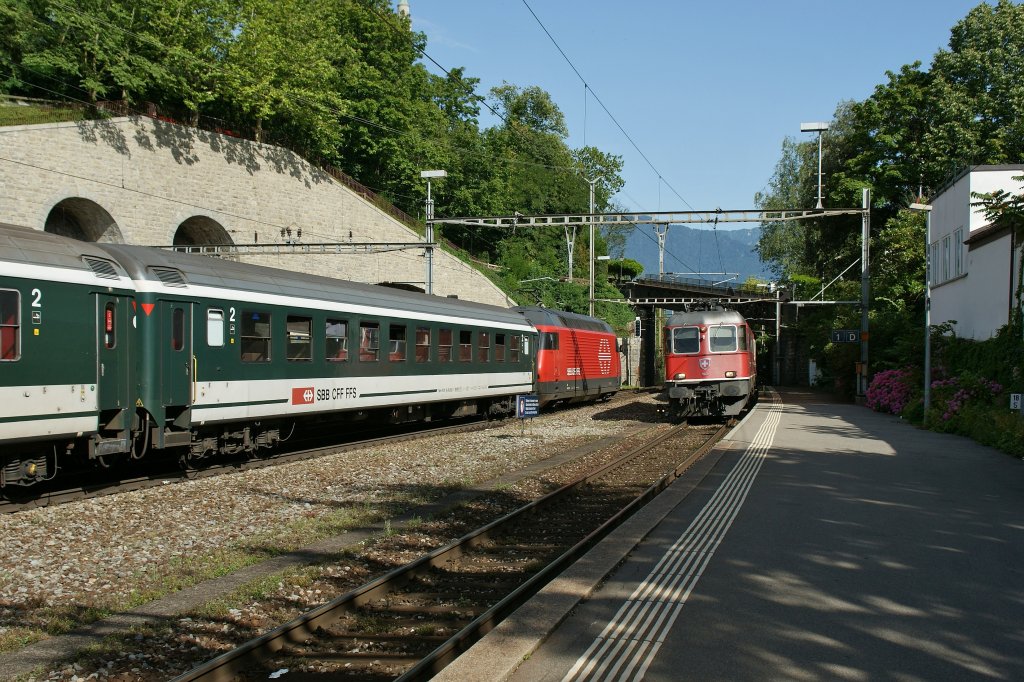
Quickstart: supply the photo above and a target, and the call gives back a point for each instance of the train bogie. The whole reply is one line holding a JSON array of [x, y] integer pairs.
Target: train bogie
[[710, 363]]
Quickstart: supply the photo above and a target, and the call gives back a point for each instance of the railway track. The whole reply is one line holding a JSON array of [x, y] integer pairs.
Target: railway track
[[413, 621], [99, 487]]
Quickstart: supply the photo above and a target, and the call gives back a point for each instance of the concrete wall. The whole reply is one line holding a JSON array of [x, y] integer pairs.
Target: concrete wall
[[141, 181]]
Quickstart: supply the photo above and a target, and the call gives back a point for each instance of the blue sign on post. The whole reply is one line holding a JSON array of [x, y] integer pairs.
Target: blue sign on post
[[527, 406]]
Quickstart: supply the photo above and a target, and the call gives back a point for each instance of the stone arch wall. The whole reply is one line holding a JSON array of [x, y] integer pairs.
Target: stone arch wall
[[83, 219], [201, 229], [160, 181]]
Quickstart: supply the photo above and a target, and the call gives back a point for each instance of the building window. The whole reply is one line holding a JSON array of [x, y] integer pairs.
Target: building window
[[396, 343], [499, 348], [369, 341], [336, 345], [946, 253], [422, 344], [10, 325], [255, 336], [722, 339], [444, 345], [300, 339], [958, 252], [933, 265], [214, 328]]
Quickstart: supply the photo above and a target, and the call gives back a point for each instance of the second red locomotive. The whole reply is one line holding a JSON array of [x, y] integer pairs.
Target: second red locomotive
[[577, 356], [710, 363]]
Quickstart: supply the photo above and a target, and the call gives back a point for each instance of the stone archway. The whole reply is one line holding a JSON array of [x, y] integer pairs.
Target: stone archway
[[83, 219], [200, 230]]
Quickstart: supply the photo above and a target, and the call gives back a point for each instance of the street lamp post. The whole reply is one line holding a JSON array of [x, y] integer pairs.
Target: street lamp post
[[816, 127], [927, 208], [429, 235]]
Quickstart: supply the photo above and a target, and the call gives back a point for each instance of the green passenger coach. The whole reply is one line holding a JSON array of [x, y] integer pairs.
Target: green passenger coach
[[113, 351]]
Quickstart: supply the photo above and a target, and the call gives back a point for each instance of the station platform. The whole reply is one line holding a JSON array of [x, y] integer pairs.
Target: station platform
[[822, 541]]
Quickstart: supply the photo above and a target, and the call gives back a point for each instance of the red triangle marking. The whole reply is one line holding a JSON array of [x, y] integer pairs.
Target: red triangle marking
[[148, 308]]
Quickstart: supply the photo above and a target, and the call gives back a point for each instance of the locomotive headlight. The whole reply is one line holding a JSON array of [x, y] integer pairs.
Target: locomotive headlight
[[678, 376], [730, 374]]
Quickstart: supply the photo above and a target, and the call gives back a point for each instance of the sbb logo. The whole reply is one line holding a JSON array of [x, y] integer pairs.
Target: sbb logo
[[303, 396]]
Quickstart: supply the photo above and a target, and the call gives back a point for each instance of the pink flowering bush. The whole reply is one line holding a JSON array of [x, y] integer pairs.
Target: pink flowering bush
[[890, 391], [951, 398]]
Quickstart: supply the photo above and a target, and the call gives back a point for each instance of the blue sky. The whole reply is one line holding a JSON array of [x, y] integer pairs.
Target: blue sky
[[707, 91]]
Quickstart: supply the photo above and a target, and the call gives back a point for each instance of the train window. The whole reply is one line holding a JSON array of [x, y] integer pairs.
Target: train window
[[723, 339], [10, 325], [686, 340], [513, 347], [255, 336], [742, 338], [214, 328], [465, 345], [483, 350], [548, 341], [369, 341], [396, 343], [178, 329], [336, 346], [499, 348], [444, 345], [300, 339], [110, 326], [422, 344]]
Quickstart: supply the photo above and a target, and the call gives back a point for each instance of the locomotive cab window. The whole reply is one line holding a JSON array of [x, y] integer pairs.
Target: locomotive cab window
[[300, 339], [686, 340], [369, 341], [422, 344], [255, 335], [742, 338], [336, 346], [723, 339], [396, 343], [10, 325], [549, 341], [465, 345], [214, 328], [444, 345]]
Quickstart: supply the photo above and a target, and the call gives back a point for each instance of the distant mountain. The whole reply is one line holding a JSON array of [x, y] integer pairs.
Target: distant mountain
[[689, 250]]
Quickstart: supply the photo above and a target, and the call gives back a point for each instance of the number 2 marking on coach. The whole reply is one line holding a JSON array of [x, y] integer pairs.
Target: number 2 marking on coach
[[37, 301]]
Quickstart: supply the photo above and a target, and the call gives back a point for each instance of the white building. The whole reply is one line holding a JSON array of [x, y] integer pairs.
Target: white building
[[974, 263]]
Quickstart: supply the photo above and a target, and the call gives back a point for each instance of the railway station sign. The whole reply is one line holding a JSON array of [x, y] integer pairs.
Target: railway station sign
[[1015, 402], [527, 406], [845, 336]]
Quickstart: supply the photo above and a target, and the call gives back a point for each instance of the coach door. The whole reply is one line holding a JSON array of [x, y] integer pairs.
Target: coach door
[[176, 362], [113, 355]]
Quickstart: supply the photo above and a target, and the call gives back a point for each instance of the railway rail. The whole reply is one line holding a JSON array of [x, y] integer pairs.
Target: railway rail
[[413, 621]]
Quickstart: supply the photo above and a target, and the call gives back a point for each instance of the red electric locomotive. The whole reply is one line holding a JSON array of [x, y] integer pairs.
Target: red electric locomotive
[[710, 363], [577, 356]]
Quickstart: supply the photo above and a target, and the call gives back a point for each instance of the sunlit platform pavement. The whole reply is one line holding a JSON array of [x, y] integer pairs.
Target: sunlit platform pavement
[[822, 542]]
